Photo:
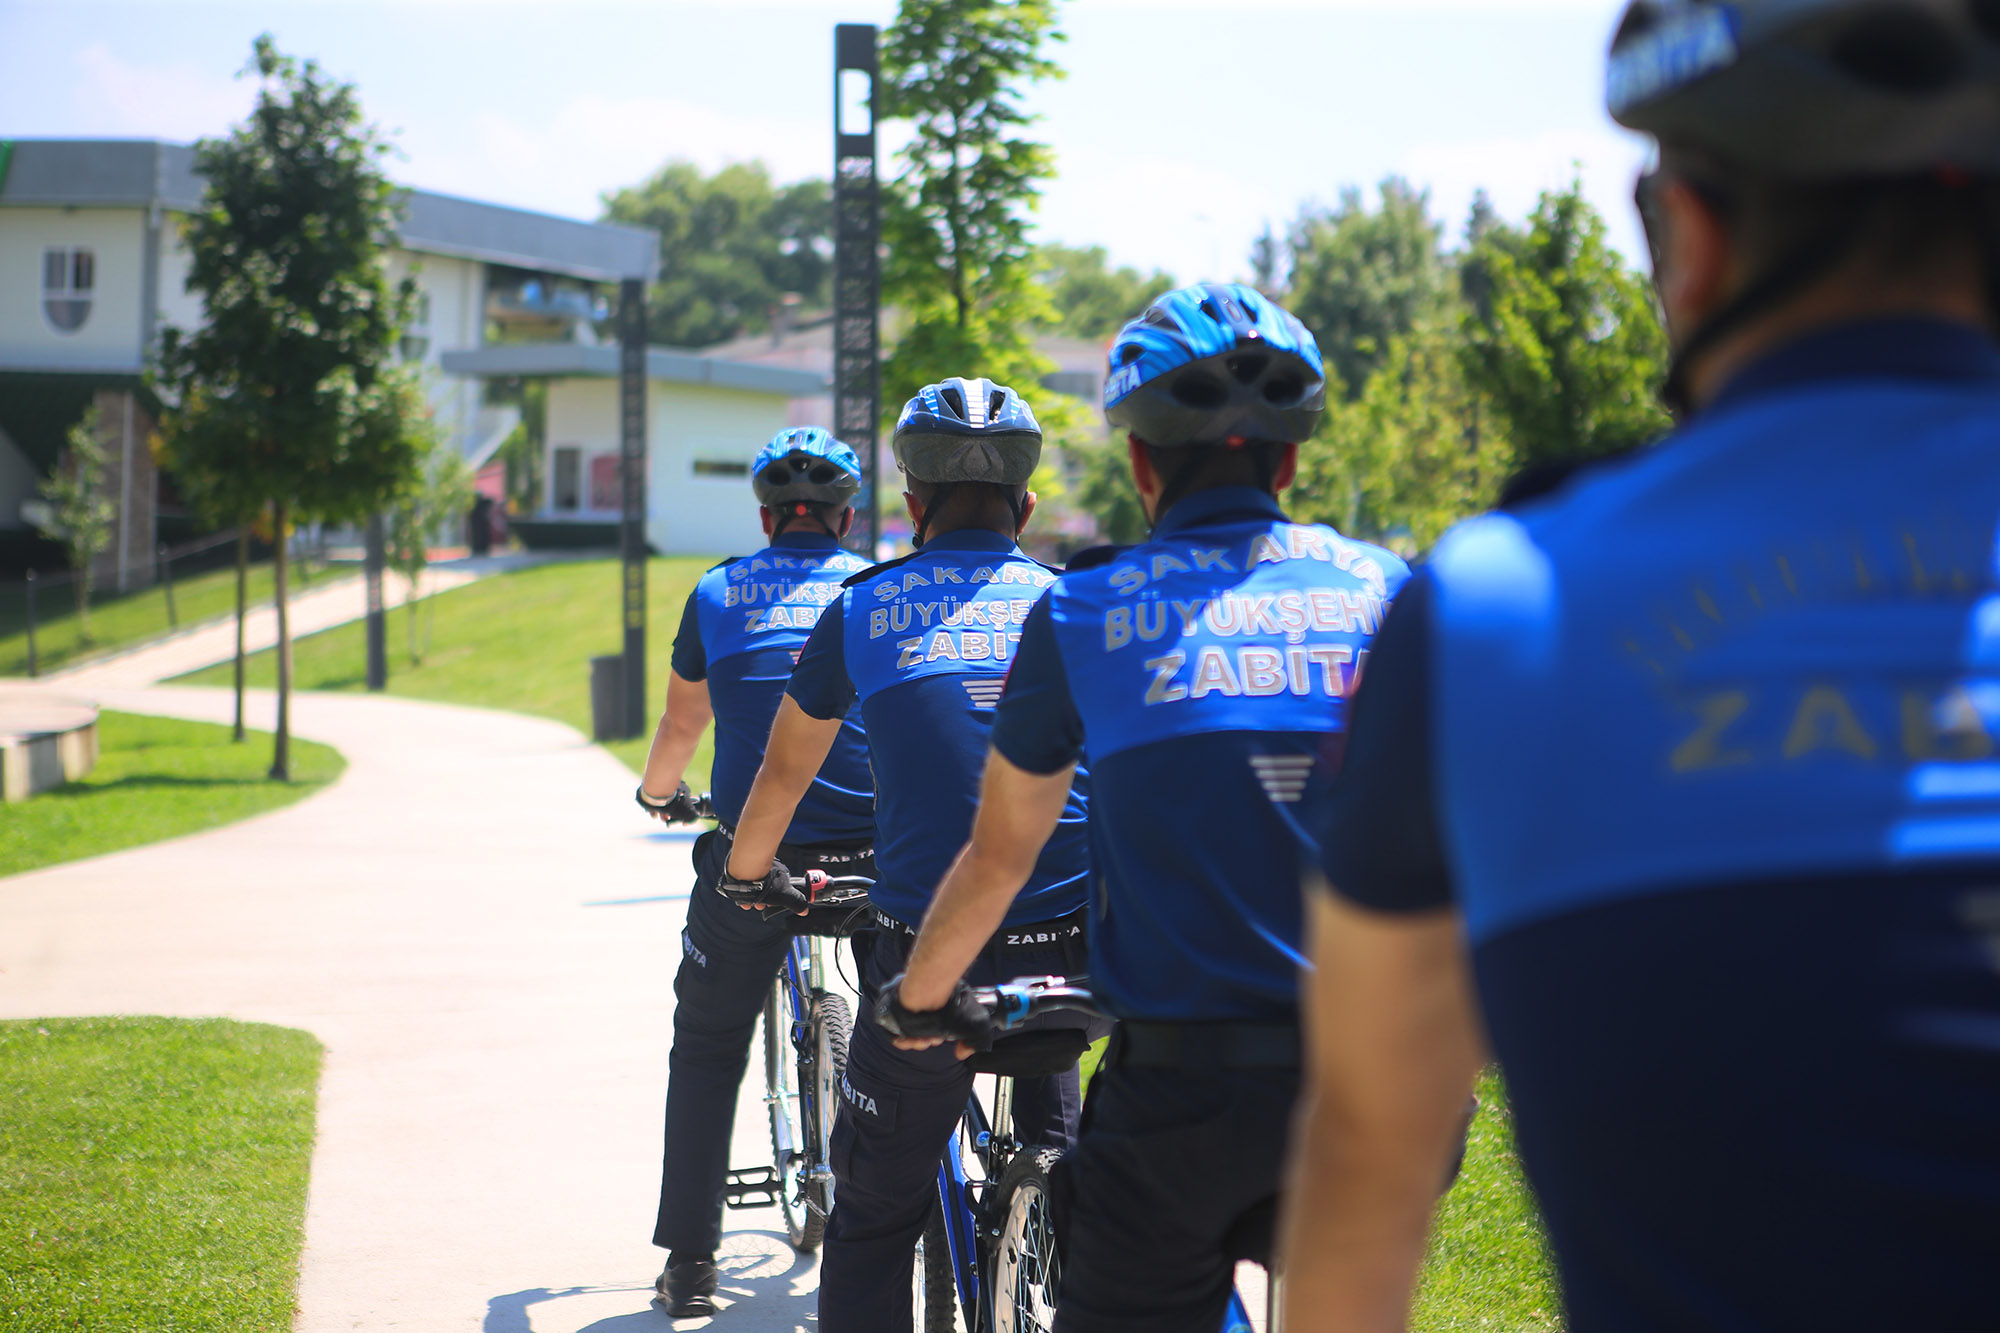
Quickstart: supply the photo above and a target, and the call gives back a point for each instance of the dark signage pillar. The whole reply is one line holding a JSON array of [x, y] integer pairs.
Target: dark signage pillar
[[632, 476], [857, 272], [378, 626]]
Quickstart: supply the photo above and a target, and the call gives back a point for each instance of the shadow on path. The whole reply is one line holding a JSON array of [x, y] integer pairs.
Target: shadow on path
[[758, 1267]]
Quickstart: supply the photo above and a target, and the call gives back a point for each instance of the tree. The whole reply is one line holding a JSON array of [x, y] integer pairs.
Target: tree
[[732, 245], [1361, 279], [955, 222], [80, 515], [443, 494], [1561, 337], [1092, 299], [291, 381]]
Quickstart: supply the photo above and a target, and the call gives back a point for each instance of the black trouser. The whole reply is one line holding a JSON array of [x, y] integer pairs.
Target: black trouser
[[1174, 1164], [897, 1112], [729, 958]]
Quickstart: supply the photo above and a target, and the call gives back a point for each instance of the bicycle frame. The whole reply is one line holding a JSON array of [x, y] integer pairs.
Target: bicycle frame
[[956, 1195]]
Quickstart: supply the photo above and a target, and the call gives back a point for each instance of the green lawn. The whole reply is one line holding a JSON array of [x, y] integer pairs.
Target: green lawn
[[1489, 1266], [156, 778], [120, 622], [521, 641], [154, 1174]]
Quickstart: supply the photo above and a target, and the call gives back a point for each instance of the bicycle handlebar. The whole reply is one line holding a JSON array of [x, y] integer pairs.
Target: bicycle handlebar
[[824, 890], [1014, 1002]]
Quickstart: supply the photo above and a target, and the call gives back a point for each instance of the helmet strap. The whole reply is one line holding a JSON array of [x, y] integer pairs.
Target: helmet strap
[[793, 509]]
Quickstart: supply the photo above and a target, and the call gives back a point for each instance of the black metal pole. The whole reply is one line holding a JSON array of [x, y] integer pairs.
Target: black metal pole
[[857, 270], [632, 457], [167, 583], [32, 665], [378, 620]]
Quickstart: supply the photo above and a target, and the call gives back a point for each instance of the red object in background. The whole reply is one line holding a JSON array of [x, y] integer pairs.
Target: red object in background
[[606, 490]]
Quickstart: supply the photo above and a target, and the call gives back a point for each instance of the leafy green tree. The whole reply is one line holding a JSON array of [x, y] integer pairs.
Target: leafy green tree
[[1104, 490], [442, 494], [1561, 337], [80, 515], [1361, 278], [291, 382], [731, 246], [955, 222], [1092, 299]]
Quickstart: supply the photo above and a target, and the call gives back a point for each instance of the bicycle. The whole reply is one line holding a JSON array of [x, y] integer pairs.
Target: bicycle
[[805, 1030], [1021, 1247]]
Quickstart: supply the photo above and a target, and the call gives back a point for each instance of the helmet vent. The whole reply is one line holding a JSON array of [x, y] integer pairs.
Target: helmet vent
[[1129, 353], [996, 403], [1284, 391], [1248, 369], [1158, 318], [954, 398], [1901, 50], [1200, 391]]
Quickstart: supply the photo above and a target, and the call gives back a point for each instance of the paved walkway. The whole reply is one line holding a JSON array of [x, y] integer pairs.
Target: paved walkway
[[483, 932]]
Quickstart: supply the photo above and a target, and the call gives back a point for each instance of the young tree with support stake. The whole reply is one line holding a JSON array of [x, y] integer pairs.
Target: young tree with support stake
[[292, 382], [79, 514]]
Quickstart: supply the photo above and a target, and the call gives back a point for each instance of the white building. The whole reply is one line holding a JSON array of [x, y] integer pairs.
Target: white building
[[92, 267]]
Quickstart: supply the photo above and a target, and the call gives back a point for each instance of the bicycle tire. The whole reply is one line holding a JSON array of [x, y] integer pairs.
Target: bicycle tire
[[821, 1064], [1024, 1267], [932, 1292], [785, 1109]]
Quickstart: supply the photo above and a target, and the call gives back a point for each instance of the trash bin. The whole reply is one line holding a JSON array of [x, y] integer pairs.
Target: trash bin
[[482, 525], [607, 698]]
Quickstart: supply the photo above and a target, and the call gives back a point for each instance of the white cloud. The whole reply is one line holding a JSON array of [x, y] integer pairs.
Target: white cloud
[[182, 102]]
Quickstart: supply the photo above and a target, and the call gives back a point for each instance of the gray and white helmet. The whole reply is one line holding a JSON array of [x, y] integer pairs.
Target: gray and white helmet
[[968, 430], [1815, 89]]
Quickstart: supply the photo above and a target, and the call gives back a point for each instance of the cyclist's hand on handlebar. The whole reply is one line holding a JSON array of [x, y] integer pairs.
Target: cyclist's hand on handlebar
[[963, 1019], [773, 896], [680, 808]]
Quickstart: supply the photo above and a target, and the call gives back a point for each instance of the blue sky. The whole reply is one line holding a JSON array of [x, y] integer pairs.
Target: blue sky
[[1183, 127]]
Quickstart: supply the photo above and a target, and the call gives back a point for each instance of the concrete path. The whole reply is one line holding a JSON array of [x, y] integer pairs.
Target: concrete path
[[483, 931], [331, 599]]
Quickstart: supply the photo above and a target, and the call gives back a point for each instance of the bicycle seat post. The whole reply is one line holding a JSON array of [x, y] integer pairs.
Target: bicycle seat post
[[1003, 1109]]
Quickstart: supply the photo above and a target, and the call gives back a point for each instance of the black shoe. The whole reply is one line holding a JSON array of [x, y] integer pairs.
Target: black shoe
[[687, 1287]]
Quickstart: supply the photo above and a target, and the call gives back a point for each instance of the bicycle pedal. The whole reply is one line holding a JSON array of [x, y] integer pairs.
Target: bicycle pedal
[[752, 1187]]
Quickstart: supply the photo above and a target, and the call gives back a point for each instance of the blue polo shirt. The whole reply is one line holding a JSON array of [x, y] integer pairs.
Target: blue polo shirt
[[741, 631], [1706, 749], [1206, 675], [924, 643]]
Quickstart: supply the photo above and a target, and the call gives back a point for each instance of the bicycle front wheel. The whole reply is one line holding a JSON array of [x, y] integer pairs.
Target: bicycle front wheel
[[787, 1106], [932, 1292], [822, 1062], [1026, 1269]]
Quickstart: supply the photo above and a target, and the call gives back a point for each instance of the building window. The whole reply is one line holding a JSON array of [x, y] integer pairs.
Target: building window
[[568, 486], [721, 467], [607, 490], [417, 333], [69, 280]]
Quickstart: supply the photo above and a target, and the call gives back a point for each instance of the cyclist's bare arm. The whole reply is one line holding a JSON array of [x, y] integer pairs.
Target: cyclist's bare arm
[[674, 740], [1392, 1045], [798, 746], [1018, 810]]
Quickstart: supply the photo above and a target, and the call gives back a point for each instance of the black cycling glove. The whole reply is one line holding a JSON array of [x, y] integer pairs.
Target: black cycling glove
[[773, 896], [963, 1018], [680, 808]]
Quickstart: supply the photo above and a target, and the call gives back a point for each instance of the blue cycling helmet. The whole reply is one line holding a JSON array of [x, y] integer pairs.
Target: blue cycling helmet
[[1215, 364], [805, 465], [968, 430]]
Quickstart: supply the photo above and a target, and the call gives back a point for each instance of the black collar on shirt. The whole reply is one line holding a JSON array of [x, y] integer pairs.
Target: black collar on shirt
[[1895, 349], [813, 541], [969, 539], [1220, 504]]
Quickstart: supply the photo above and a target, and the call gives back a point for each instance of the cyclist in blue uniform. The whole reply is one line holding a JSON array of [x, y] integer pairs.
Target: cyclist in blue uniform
[[1698, 754], [924, 643], [745, 623], [1205, 675]]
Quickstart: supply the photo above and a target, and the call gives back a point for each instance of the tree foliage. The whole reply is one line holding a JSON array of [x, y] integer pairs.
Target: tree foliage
[[443, 494], [732, 245], [80, 515], [1561, 337], [288, 395], [1091, 298], [1361, 278], [955, 221]]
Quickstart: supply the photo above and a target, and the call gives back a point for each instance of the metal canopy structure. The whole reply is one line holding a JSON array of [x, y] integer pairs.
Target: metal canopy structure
[[857, 269]]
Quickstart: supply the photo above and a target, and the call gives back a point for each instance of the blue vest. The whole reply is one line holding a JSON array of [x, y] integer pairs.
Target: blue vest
[[755, 614], [1211, 668], [928, 641]]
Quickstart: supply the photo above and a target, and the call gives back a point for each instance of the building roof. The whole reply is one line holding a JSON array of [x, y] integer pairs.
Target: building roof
[[138, 173], [668, 364]]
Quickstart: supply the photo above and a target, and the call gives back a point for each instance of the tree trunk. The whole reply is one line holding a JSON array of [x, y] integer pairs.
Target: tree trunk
[[281, 749], [83, 572], [242, 609]]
